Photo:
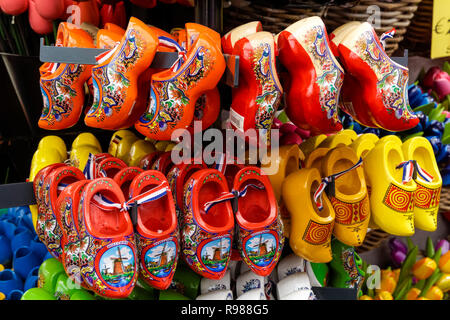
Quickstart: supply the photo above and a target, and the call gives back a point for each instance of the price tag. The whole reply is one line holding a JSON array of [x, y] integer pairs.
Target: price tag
[[440, 36]]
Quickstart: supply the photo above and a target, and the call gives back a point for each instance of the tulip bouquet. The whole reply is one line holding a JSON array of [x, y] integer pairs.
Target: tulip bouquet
[[414, 277]]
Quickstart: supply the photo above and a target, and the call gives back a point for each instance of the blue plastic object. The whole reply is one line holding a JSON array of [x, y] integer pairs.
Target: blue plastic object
[[22, 238], [15, 295], [24, 260], [32, 279], [39, 249], [5, 250], [9, 281]]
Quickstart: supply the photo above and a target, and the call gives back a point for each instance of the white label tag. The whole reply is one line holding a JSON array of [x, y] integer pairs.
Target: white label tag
[[236, 120]]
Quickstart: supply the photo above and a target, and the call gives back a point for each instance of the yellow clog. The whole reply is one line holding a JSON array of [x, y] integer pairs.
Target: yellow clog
[[311, 228], [314, 159], [86, 139], [161, 145], [54, 142], [138, 150], [351, 200], [116, 138], [124, 146], [311, 143], [336, 140], [363, 144], [391, 137], [350, 133], [427, 195], [391, 200], [80, 155]]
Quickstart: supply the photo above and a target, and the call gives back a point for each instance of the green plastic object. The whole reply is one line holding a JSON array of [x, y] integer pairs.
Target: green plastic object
[[317, 273], [82, 294], [171, 295], [37, 294], [345, 268], [65, 287], [49, 272], [140, 293], [283, 117]]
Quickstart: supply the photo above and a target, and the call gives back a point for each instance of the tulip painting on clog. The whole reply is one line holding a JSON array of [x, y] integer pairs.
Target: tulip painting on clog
[[107, 253], [383, 82], [315, 76], [62, 86], [115, 78], [258, 96], [260, 230], [156, 228], [206, 235]]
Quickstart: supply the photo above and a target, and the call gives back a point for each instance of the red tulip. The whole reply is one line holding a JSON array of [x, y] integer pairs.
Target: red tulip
[[50, 9], [89, 12], [37, 23], [14, 7], [114, 13], [441, 84], [144, 3], [429, 77]]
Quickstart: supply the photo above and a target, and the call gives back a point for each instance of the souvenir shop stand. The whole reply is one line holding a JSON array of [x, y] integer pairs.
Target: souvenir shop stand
[[20, 135]]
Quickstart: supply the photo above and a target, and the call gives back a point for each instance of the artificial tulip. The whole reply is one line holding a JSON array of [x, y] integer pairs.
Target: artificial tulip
[[114, 13], [435, 293], [442, 85], [89, 12], [444, 245], [50, 9], [444, 282], [384, 295], [37, 23], [430, 76], [365, 297], [412, 294], [14, 7], [444, 262], [387, 284], [424, 268]]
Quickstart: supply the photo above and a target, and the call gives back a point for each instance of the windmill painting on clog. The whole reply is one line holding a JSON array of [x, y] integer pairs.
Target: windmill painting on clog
[[315, 76], [55, 182], [207, 231], [156, 228], [383, 82], [260, 230], [107, 253]]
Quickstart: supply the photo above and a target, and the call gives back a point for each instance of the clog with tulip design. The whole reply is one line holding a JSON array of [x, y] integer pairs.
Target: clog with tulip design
[[125, 177]]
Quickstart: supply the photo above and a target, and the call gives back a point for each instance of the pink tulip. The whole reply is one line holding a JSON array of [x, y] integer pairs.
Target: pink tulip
[[14, 7], [287, 128], [441, 84], [305, 134], [37, 23], [290, 138], [429, 77], [276, 124], [50, 9]]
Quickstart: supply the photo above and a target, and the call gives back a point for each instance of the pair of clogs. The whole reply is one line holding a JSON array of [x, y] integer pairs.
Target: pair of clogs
[[374, 92], [259, 93], [405, 185], [209, 214]]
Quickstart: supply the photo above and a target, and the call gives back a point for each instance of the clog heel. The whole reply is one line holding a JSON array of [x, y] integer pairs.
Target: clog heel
[[311, 143], [116, 77], [124, 178], [173, 92], [63, 89], [314, 159], [108, 251], [207, 234], [242, 31], [315, 76], [383, 82], [156, 228], [429, 183], [259, 94], [311, 228], [109, 167], [363, 144], [391, 197], [260, 229], [350, 200], [54, 184], [67, 217]]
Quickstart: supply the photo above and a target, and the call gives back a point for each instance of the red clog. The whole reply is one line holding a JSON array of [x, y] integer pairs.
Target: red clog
[[109, 167], [163, 163], [315, 76], [260, 230], [124, 178], [148, 160], [107, 246], [383, 82], [156, 229], [230, 38], [206, 235]]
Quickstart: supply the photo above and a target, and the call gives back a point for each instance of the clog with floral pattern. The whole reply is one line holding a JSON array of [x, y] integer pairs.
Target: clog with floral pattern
[[124, 178]]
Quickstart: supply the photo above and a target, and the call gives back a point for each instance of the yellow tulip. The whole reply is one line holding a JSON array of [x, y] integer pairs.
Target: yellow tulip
[[434, 293], [396, 274], [365, 297], [412, 294], [444, 262], [444, 282], [423, 298], [387, 284], [423, 268], [384, 295]]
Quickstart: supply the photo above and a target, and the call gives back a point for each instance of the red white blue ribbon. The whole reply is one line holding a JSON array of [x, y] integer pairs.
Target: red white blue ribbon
[[172, 44], [409, 168], [387, 35], [327, 180], [150, 195], [231, 196], [91, 166]]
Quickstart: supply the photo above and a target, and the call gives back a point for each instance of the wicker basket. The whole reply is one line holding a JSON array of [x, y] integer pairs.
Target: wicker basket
[[398, 15], [418, 35]]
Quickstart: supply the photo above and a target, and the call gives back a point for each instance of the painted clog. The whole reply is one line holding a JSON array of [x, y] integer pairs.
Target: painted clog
[[163, 163], [147, 161], [311, 228], [109, 167], [121, 142], [55, 182], [53, 142], [67, 205], [207, 109], [258, 96], [383, 82], [260, 229], [363, 144], [391, 200], [206, 235], [116, 77], [175, 91], [80, 156], [124, 178], [427, 194], [108, 261], [86, 139], [350, 200], [138, 150], [230, 38], [315, 158], [63, 89], [156, 229], [315, 76]]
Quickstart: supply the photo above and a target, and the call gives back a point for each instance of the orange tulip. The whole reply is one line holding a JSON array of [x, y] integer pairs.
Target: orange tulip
[[423, 298], [444, 262], [423, 268], [365, 297], [396, 274], [444, 282], [384, 295], [412, 294], [387, 284], [434, 293]]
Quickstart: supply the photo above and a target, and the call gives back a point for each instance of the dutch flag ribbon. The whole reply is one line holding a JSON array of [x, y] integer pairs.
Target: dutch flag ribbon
[[170, 43], [412, 168], [150, 195], [328, 180], [231, 196], [387, 35]]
